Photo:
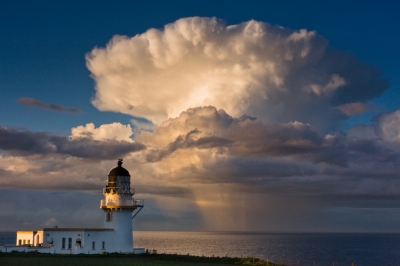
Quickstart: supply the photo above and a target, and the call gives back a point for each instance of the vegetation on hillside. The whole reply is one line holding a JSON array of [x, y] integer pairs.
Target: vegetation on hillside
[[39, 259]]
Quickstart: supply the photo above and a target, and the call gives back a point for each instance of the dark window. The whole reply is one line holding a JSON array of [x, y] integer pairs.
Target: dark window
[[63, 243], [19, 242], [69, 243], [103, 246], [93, 245]]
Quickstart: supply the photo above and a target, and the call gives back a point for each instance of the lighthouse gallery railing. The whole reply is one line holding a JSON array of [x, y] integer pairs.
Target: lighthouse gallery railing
[[119, 190]]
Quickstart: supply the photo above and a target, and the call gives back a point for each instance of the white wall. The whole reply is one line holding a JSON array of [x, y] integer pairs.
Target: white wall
[[38, 238], [25, 238], [98, 237], [87, 238], [122, 224]]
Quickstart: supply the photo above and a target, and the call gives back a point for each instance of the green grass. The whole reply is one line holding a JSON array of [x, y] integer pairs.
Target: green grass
[[38, 259]]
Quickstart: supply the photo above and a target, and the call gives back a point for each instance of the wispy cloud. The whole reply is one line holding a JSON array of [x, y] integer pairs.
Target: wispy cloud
[[53, 107], [350, 109]]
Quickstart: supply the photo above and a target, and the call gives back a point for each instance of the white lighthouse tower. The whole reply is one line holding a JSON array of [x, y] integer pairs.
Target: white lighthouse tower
[[118, 205], [116, 235]]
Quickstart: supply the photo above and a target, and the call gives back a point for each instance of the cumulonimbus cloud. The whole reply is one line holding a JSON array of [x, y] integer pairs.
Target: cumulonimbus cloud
[[35, 103], [269, 72]]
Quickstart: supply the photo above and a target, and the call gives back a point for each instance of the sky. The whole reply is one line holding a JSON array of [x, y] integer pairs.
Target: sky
[[276, 116]]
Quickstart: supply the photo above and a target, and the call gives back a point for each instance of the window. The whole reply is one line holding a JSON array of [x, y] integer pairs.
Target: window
[[24, 242], [69, 243], [103, 245], [93, 245], [19, 242], [29, 242], [63, 243]]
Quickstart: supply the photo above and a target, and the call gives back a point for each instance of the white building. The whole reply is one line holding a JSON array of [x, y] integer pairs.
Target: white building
[[116, 235]]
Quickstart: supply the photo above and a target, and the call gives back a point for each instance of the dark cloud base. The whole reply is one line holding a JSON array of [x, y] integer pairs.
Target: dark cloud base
[[25, 143], [209, 128]]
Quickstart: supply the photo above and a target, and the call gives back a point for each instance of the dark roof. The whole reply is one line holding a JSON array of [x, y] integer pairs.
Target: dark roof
[[119, 170], [77, 229]]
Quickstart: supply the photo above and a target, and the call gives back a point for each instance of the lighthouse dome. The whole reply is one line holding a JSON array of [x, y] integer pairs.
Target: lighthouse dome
[[119, 170], [119, 178]]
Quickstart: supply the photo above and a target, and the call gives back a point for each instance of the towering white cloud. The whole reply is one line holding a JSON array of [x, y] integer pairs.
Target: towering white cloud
[[115, 131], [270, 72]]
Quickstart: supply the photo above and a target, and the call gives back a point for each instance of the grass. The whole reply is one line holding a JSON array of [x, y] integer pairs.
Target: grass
[[38, 259]]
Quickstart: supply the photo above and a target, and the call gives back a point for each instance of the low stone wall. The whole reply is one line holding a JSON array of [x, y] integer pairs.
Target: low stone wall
[[5, 248]]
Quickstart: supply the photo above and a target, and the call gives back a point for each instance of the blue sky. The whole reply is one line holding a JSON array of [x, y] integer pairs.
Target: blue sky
[[319, 149]]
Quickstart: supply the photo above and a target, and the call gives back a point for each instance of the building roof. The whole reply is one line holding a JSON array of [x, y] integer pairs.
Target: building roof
[[77, 229], [119, 170]]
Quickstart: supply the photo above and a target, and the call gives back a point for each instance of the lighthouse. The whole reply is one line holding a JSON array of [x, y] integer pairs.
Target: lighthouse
[[118, 206], [119, 209]]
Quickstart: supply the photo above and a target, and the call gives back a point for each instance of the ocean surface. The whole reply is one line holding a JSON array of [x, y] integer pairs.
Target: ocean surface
[[290, 248]]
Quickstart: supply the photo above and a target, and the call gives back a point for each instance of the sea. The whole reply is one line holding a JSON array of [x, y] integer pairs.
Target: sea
[[334, 249], [288, 248]]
